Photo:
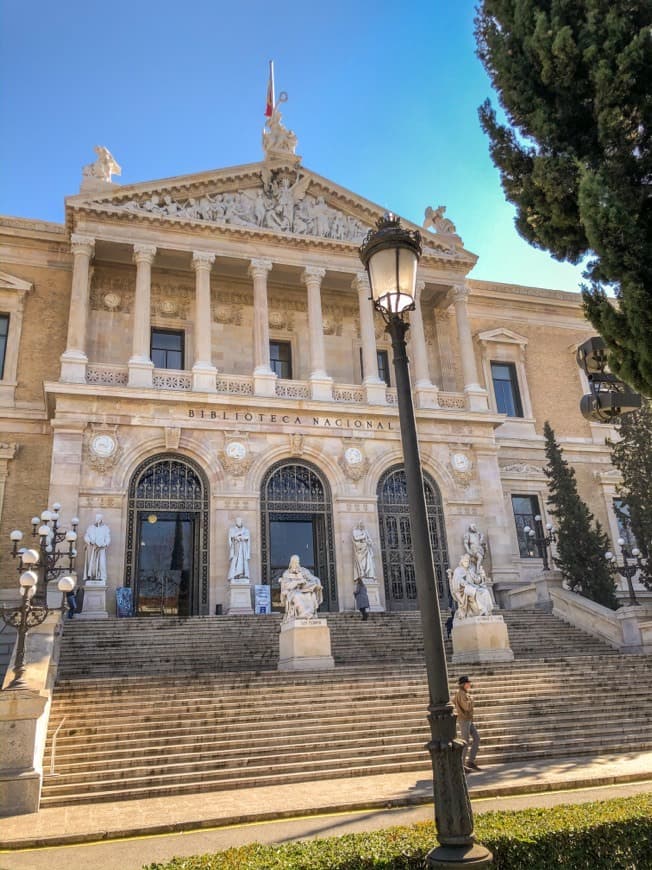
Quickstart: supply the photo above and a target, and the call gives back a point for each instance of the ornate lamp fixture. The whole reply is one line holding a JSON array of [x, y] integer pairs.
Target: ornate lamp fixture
[[49, 554], [390, 254], [627, 569], [609, 397], [541, 539]]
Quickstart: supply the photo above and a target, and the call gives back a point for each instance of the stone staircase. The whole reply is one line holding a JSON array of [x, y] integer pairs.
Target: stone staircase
[[154, 707]]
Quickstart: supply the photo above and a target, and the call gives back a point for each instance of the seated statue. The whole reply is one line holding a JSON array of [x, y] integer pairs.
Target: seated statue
[[301, 592], [469, 592]]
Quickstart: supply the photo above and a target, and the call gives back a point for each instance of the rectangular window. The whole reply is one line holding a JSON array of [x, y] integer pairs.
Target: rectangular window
[[280, 359], [4, 331], [382, 357], [508, 398], [167, 349], [621, 511], [526, 508]]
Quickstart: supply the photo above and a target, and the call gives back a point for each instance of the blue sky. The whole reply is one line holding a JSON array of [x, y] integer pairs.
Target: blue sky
[[383, 97]]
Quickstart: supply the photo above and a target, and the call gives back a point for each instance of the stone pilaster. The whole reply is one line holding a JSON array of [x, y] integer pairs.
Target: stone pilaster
[[264, 377], [425, 393], [497, 521], [141, 367], [74, 359], [321, 386], [203, 370], [375, 387], [476, 396]]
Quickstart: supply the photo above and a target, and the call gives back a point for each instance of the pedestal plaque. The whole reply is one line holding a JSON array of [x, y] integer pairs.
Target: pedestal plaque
[[479, 639], [94, 601], [305, 645], [238, 597]]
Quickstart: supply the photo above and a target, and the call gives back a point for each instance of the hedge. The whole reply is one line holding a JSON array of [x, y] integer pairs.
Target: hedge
[[605, 835]]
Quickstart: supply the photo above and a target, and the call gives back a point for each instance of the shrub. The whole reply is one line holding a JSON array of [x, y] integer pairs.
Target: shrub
[[607, 835]]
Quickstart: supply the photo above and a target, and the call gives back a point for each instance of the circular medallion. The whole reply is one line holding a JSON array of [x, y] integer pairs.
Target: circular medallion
[[236, 450], [103, 445], [353, 456], [111, 301], [460, 462]]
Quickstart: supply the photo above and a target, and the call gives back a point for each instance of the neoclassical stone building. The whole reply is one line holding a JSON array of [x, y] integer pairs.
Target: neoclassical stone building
[[188, 351]]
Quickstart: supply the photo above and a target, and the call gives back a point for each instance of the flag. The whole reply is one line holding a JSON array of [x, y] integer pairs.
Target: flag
[[269, 108]]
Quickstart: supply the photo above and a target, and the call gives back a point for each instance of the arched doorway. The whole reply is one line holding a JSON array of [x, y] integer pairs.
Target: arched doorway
[[167, 538], [396, 539], [297, 517]]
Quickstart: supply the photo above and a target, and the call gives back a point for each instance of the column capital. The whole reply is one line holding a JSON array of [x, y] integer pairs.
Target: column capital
[[202, 260], [361, 282], [313, 275], [81, 244], [460, 292], [259, 268], [419, 287], [144, 254]]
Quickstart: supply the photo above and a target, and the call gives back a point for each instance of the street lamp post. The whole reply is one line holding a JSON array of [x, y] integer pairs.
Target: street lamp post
[[390, 255], [627, 570], [542, 540]]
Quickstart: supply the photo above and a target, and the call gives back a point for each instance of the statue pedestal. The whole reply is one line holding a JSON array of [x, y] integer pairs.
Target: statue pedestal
[[479, 639], [305, 645], [238, 597], [373, 592], [94, 600]]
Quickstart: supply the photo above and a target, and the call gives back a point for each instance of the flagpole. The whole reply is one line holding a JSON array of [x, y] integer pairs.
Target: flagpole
[[271, 78]]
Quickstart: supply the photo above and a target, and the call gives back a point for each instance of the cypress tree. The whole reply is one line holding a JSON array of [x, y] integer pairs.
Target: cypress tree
[[581, 542], [632, 456], [573, 78]]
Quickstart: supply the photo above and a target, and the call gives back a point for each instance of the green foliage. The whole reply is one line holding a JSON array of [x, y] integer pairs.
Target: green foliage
[[632, 456], [573, 78], [581, 543], [607, 835]]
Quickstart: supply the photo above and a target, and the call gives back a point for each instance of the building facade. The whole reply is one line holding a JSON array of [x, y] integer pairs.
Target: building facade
[[187, 352]]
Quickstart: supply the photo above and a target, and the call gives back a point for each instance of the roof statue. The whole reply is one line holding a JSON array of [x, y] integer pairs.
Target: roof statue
[[95, 176], [278, 141], [435, 221]]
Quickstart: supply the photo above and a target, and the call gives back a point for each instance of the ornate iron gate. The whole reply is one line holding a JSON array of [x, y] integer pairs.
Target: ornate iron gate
[[396, 539], [163, 484], [295, 497]]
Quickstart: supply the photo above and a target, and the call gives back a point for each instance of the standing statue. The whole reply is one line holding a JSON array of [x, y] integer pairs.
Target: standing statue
[[97, 538], [239, 551], [475, 546], [471, 595], [104, 167], [277, 139], [363, 554], [301, 591]]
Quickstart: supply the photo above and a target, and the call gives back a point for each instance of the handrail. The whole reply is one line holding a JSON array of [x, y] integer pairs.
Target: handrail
[[53, 750]]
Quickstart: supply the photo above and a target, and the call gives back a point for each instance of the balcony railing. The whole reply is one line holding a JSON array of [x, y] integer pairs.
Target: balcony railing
[[109, 374]]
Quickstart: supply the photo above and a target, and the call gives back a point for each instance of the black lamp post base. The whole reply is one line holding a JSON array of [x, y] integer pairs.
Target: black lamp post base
[[475, 856]]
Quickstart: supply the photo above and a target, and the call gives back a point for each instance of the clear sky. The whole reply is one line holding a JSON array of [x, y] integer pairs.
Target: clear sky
[[383, 98]]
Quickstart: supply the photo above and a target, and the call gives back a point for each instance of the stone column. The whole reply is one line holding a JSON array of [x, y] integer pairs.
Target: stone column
[[321, 386], [425, 393], [264, 377], [476, 396], [375, 387], [74, 359], [203, 370], [141, 367]]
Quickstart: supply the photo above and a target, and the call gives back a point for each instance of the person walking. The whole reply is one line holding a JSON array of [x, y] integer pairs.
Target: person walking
[[463, 702], [361, 598]]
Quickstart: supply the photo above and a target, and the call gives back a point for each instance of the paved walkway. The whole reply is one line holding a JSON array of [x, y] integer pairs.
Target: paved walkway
[[106, 821]]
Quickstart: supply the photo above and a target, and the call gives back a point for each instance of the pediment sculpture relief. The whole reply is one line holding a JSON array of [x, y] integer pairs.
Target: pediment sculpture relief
[[280, 203]]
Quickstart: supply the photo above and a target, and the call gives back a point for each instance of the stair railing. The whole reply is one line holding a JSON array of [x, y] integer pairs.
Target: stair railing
[[53, 750]]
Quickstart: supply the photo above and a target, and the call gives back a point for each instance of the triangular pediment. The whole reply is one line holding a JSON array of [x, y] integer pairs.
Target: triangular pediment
[[264, 198], [11, 282], [502, 336]]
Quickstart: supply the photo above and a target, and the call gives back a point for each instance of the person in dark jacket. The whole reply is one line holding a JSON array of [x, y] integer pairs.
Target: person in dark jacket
[[463, 702], [361, 598]]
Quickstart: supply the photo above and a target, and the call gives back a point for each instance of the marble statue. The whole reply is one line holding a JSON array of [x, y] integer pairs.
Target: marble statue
[[434, 219], [239, 550], [277, 139], [97, 538], [104, 167], [471, 595], [363, 555], [475, 546], [301, 592]]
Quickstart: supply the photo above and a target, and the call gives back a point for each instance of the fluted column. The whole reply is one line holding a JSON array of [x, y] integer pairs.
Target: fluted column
[[425, 393], [203, 370], [375, 387], [321, 386], [74, 359], [476, 395], [264, 377], [141, 366]]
